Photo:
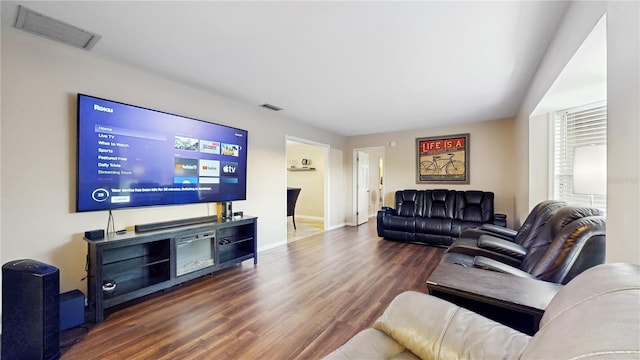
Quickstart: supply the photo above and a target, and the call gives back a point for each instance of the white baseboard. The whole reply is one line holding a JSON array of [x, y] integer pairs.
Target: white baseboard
[[317, 218], [336, 226], [271, 246]]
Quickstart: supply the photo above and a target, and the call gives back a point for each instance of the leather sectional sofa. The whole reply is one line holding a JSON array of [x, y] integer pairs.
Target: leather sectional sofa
[[594, 316], [436, 217]]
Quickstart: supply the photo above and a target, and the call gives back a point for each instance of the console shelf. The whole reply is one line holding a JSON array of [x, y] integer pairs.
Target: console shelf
[[125, 267]]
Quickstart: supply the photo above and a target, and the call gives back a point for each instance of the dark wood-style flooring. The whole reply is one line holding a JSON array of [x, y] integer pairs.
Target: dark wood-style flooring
[[301, 301]]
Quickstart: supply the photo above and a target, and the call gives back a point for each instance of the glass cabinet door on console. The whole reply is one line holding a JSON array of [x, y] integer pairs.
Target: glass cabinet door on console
[[195, 252]]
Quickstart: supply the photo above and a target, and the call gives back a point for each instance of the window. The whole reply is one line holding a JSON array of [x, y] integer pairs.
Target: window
[[573, 128]]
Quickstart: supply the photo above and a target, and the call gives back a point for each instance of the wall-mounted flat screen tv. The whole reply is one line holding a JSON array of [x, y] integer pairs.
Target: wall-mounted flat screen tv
[[130, 156]]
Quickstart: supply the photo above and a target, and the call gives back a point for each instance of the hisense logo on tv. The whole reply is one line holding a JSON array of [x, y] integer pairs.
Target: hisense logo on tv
[[102, 108]]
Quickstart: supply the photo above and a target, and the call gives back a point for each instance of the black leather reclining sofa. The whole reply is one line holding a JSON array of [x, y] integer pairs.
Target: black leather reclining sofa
[[436, 217]]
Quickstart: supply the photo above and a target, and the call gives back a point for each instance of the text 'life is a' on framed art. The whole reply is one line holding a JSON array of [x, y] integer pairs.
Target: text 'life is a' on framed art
[[443, 159]]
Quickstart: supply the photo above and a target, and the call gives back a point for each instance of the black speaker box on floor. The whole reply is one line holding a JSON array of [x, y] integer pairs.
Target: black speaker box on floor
[[30, 310], [71, 309]]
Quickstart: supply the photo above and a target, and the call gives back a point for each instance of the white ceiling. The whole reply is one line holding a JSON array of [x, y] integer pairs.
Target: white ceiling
[[353, 68]]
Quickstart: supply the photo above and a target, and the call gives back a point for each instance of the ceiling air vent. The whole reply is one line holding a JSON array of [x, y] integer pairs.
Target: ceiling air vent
[[53, 29], [271, 107]]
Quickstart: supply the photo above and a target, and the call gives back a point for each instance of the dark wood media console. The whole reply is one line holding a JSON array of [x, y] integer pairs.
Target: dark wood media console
[[128, 266]]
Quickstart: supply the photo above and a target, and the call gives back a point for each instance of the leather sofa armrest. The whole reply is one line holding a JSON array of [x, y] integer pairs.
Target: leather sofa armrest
[[501, 246], [500, 219], [386, 210], [499, 230], [382, 214], [490, 264]]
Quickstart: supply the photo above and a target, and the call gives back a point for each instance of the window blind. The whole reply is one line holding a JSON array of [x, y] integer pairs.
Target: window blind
[[576, 127]]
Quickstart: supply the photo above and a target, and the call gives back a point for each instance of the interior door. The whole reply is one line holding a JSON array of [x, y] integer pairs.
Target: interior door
[[363, 188]]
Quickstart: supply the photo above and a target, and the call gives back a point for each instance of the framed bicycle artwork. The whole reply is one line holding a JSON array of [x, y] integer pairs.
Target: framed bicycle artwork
[[443, 159]]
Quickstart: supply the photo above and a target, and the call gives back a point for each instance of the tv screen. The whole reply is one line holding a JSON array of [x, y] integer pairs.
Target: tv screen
[[129, 156]]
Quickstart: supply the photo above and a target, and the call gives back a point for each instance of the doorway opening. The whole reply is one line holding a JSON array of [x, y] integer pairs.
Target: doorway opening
[[307, 165], [368, 184]]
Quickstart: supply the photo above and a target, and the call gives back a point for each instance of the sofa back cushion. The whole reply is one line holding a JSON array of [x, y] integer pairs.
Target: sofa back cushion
[[439, 204], [579, 246], [408, 203], [560, 219], [536, 220], [474, 205]]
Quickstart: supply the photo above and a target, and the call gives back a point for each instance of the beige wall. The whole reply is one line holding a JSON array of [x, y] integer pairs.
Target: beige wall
[[539, 159], [623, 131], [311, 200], [490, 154], [336, 186], [40, 80], [623, 92]]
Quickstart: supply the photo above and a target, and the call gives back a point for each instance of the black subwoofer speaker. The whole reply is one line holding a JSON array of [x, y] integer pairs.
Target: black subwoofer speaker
[[30, 310]]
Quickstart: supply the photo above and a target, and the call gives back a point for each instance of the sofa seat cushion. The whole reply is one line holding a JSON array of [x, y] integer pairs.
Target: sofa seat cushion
[[399, 223], [435, 226], [398, 227], [458, 226], [463, 250]]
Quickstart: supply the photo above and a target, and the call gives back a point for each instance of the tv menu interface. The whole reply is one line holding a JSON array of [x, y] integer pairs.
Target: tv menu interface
[[130, 156]]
